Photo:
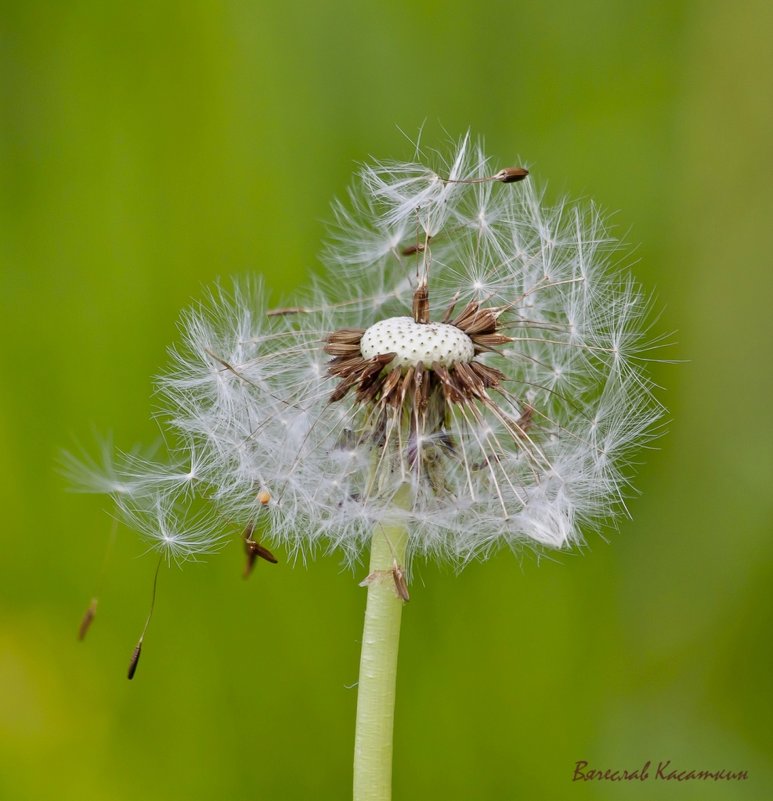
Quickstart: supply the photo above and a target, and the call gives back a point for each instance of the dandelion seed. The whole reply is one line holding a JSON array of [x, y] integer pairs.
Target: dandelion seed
[[134, 661], [254, 550], [87, 619], [91, 611], [511, 174], [137, 652], [410, 250]]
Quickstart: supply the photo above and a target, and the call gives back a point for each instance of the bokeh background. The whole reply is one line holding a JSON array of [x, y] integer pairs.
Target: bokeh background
[[147, 149]]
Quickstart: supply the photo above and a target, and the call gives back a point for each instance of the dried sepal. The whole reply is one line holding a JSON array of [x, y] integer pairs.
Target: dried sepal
[[401, 586], [394, 576]]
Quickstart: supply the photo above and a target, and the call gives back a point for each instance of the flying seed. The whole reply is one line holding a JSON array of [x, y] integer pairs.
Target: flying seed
[[134, 660], [88, 619], [255, 551], [137, 652], [91, 612]]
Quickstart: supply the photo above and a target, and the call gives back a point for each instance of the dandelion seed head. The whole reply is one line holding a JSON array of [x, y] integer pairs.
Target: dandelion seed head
[[470, 342]]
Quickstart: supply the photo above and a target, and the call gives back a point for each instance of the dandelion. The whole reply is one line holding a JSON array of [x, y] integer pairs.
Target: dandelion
[[470, 375]]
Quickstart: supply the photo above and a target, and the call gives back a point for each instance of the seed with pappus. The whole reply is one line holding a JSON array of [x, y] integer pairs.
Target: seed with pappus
[[469, 343]]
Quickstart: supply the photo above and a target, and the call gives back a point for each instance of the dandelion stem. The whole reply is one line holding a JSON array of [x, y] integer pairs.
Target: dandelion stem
[[378, 669]]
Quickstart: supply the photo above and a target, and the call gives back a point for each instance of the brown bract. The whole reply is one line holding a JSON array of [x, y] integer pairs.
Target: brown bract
[[425, 392]]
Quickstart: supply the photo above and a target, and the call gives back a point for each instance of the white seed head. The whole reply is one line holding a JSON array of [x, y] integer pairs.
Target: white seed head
[[413, 342], [522, 434]]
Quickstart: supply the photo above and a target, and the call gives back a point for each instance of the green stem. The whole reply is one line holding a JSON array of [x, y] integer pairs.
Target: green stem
[[378, 669]]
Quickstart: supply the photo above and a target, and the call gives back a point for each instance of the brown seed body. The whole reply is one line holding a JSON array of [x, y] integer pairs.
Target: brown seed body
[[88, 619], [134, 661], [511, 174]]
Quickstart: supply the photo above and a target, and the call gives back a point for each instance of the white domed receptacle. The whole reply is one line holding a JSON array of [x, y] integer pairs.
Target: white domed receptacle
[[413, 342]]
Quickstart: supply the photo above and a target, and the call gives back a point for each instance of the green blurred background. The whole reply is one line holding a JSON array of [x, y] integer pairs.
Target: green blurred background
[[148, 148]]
